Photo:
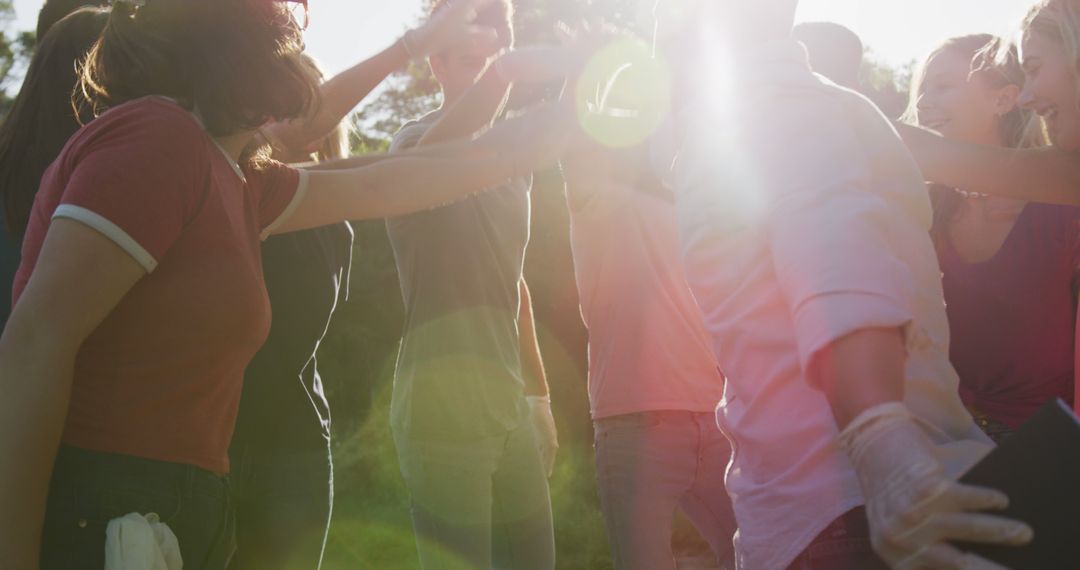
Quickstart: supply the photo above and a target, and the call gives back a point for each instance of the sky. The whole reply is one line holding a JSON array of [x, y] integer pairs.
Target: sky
[[343, 32]]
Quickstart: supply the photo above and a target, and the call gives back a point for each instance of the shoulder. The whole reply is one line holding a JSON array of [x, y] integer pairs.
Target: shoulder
[[152, 112], [144, 129], [413, 131], [268, 173]]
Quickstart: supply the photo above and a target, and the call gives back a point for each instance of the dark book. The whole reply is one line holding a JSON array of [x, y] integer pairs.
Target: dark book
[[1038, 467]]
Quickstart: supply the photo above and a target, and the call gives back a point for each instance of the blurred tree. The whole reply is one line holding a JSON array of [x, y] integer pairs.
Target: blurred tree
[[15, 50], [887, 85]]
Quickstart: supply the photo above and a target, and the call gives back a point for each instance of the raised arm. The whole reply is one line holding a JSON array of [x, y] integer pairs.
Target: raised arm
[[484, 101], [437, 175], [1045, 174], [434, 175], [476, 110], [338, 96], [342, 93], [80, 277]]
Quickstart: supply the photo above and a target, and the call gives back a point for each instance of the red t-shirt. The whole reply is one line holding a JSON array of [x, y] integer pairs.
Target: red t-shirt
[[160, 377]]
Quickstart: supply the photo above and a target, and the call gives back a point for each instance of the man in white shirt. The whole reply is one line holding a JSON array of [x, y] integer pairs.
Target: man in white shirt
[[804, 225]]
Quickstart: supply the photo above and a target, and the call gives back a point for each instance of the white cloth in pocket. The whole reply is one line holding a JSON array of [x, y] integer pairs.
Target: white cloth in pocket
[[137, 542]]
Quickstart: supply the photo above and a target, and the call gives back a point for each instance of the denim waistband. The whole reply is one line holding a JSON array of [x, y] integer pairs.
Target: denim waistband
[[84, 467]]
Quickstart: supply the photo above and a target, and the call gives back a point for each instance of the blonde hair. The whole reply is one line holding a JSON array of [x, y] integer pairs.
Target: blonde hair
[[335, 145], [995, 62], [1058, 20]]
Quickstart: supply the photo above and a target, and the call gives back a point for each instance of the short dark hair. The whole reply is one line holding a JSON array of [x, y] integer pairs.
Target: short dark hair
[[237, 62], [835, 51]]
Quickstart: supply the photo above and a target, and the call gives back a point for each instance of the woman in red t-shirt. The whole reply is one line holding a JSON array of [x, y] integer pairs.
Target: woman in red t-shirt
[[140, 299], [1009, 267]]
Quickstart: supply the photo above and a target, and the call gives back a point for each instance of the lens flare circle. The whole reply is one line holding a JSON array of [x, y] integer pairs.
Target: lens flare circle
[[624, 94]]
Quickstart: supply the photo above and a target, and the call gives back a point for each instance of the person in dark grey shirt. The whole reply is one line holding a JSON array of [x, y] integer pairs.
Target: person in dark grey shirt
[[470, 413]]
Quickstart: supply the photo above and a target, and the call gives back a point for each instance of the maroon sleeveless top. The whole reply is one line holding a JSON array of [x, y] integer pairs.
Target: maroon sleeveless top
[[1012, 318]]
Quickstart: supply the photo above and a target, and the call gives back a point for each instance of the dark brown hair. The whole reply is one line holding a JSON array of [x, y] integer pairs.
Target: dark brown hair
[[235, 62], [42, 117], [55, 10]]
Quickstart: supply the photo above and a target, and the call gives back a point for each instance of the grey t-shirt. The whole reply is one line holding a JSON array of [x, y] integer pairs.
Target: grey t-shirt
[[458, 370]]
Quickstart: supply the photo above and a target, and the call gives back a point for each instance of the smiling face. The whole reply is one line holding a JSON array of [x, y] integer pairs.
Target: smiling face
[[1051, 88], [959, 104]]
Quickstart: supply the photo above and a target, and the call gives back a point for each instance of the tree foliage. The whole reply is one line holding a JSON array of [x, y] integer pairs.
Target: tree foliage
[[15, 50]]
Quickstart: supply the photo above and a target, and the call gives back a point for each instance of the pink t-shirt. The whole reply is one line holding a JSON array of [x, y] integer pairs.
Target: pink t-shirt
[[160, 377], [648, 347]]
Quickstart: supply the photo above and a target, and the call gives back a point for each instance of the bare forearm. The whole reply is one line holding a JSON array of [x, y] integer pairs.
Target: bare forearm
[[339, 96], [458, 147], [36, 388], [476, 110], [397, 186], [860, 371], [1046, 174], [347, 163], [532, 364], [445, 173]]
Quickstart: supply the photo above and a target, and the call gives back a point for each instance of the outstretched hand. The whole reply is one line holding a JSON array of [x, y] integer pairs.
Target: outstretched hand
[[452, 26], [544, 63]]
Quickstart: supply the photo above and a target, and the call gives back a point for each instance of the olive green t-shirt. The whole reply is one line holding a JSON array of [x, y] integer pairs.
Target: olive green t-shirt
[[458, 371]]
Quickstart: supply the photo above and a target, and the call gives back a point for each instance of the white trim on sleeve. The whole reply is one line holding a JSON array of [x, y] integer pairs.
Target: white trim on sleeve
[[109, 230], [301, 190]]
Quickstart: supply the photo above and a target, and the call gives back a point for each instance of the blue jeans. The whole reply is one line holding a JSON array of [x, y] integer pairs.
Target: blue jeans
[[481, 503], [649, 464], [89, 488], [843, 545], [283, 505]]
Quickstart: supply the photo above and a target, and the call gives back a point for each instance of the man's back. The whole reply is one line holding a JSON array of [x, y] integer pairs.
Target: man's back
[[803, 220]]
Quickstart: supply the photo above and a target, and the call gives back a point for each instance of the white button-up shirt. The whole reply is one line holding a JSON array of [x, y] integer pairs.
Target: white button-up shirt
[[803, 219]]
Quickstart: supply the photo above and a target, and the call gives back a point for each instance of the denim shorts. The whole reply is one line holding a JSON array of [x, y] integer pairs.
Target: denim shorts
[[90, 488]]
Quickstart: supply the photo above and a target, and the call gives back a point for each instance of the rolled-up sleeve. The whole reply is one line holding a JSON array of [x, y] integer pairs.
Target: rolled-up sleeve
[[833, 236]]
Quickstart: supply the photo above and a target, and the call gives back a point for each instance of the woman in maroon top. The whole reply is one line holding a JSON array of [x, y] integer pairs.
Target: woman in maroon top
[[1050, 56], [1009, 267], [140, 299]]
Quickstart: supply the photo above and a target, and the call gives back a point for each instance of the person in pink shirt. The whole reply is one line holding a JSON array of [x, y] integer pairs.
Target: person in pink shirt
[[653, 380]]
